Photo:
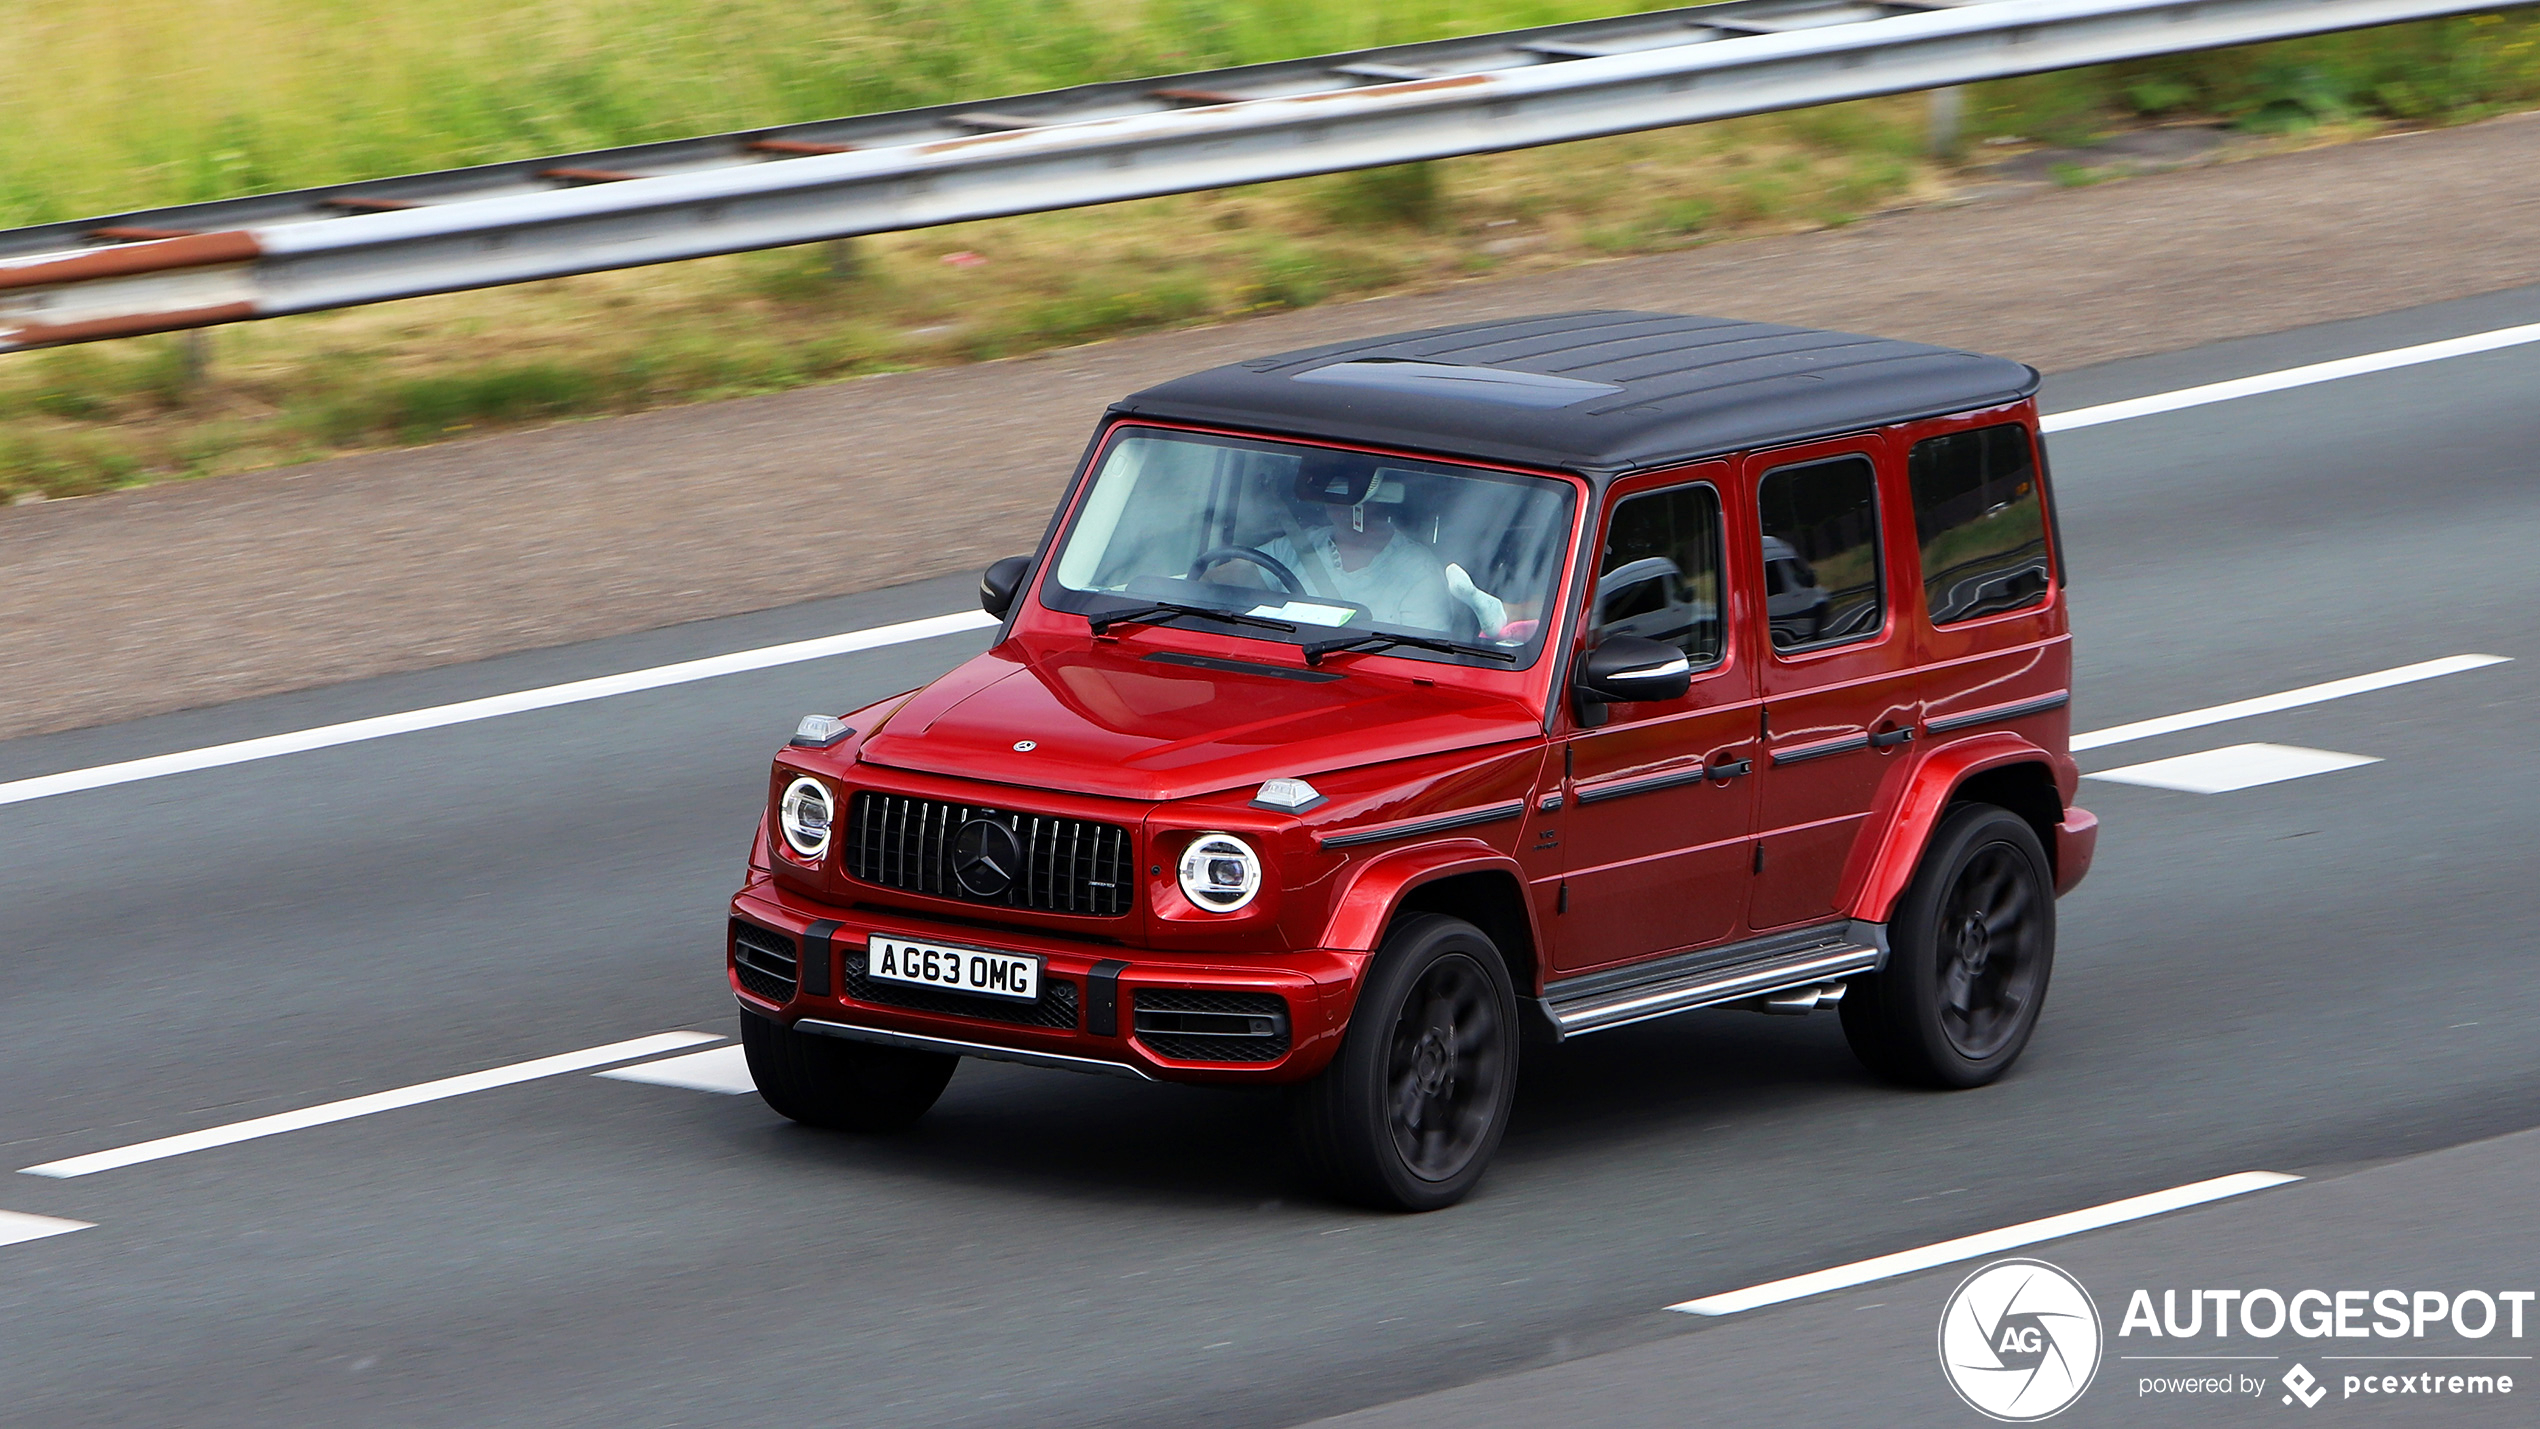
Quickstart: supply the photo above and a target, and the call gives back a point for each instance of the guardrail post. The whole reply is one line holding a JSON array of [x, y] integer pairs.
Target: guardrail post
[[1948, 107]]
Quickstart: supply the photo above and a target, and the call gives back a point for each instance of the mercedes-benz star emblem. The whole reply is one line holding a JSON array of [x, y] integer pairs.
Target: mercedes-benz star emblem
[[985, 855], [1024, 746]]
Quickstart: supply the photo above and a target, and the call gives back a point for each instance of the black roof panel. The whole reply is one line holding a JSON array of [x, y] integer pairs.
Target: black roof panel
[[1592, 391]]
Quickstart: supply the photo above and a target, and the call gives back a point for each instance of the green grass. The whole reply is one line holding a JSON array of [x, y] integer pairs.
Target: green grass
[[156, 101]]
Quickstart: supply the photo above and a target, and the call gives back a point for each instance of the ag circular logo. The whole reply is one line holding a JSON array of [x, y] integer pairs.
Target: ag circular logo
[[985, 857], [2019, 1340]]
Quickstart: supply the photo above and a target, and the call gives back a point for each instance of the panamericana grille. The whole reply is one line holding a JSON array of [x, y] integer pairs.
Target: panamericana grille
[[764, 960], [1056, 1006], [1065, 865], [1197, 1025]]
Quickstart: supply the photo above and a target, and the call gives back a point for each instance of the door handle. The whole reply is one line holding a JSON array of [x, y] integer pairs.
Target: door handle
[[1892, 737], [1733, 769]]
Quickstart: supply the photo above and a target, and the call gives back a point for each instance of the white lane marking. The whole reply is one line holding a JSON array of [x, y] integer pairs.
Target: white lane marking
[[1906, 1262], [16, 1226], [327, 736], [2289, 699], [546, 697], [351, 1107], [2291, 377], [2234, 766], [720, 1069]]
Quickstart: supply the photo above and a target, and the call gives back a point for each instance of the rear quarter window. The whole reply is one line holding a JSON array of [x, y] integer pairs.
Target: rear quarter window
[[1821, 553], [1979, 521]]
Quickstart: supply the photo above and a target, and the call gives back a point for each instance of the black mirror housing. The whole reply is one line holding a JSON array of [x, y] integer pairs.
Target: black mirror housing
[[1003, 581], [1629, 670]]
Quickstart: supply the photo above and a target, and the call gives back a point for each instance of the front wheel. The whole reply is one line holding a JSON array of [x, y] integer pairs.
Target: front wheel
[[1415, 1102], [1970, 948], [840, 1085]]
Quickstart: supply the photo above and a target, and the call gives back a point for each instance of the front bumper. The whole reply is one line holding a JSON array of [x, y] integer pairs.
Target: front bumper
[[2076, 839], [1103, 1008]]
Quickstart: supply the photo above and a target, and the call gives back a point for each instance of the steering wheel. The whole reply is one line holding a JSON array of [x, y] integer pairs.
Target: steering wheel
[[1276, 569]]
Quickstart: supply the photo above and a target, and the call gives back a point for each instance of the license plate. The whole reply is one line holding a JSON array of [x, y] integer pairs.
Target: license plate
[[1010, 975]]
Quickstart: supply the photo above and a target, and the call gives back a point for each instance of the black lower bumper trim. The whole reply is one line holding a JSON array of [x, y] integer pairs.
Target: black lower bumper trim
[[918, 1042]]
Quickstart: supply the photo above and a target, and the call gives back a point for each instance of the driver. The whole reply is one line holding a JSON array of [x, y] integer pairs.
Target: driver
[[1356, 551]]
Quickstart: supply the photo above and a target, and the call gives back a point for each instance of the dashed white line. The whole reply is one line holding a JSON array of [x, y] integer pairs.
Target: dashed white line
[[718, 1069], [351, 1107], [16, 1226], [2291, 377], [434, 717], [2233, 767], [1907, 1262], [2287, 700]]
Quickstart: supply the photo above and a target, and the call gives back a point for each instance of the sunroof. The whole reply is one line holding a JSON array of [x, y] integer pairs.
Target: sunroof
[[1448, 379]]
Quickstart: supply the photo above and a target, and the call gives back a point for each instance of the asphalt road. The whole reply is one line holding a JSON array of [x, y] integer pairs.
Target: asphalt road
[[2303, 977]]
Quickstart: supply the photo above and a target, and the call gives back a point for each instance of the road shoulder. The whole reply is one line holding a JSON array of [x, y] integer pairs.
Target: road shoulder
[[197, 593]]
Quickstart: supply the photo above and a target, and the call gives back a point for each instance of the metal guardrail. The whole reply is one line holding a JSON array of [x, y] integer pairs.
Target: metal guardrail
[[266, 256]]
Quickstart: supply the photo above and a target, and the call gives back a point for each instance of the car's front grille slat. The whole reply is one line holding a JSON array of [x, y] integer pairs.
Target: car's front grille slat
[[1068, 865]]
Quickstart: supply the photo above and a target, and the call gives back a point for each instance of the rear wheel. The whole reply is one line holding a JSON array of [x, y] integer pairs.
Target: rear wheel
[[841, 1085], [1970, 948], [1413, 1105]]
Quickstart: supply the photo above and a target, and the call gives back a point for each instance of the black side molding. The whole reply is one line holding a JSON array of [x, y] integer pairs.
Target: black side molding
[[1487, 814], [2014, 710]]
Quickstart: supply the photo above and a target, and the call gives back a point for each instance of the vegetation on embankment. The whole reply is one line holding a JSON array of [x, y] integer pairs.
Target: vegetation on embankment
[[159, 101]]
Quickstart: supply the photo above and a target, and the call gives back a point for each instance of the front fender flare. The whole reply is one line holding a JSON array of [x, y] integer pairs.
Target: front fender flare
[[1891, 861], [1374, 889]]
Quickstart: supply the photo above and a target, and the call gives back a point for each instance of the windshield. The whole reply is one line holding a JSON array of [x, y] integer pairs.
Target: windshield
[[1331, 543]]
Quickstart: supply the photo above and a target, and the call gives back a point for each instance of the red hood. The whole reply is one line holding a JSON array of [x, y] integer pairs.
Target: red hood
[[1105, 721]]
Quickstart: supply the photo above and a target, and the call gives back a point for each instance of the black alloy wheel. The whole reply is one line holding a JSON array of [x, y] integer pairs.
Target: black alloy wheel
[[1988, 969], [840, 1085], [1411, 1108], [1971, 946]]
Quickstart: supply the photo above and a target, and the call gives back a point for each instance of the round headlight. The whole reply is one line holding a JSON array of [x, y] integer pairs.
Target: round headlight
[[803, 815], [1220, 873]]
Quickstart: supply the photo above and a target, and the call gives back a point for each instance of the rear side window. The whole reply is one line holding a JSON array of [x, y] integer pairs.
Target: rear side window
[[1660, 578], [1977, 516], [1821, 553]]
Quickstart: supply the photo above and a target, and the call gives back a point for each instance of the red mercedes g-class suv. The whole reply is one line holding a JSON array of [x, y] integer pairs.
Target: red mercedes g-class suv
[[1366, 706]]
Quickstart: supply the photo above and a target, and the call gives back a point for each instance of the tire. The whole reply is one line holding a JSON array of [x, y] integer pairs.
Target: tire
[[1413, 1105], [1970, 950], [840, 1085]]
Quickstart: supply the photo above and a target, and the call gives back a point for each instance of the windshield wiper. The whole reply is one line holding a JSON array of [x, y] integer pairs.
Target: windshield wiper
[[1165, 610], [1382, 640]]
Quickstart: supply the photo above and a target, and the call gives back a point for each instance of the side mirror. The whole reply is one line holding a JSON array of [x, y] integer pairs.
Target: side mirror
[[1000, 585], [1628, 669]]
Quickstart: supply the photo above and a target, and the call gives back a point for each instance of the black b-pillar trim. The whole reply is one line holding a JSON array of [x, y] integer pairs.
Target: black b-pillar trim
[[817, 957], [1102, 998]]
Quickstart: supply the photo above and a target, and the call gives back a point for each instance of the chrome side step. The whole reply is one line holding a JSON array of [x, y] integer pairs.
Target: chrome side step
[[1806, 959]]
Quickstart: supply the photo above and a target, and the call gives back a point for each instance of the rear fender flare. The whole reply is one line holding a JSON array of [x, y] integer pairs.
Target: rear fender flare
[[1888, 864]]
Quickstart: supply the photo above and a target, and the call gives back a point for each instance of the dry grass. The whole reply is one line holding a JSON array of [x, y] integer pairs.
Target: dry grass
[[171, 100]]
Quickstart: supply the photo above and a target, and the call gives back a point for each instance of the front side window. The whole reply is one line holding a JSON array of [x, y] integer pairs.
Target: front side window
[[1659, 577], [1976, 515], [1821, 553], [1333, 543]]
